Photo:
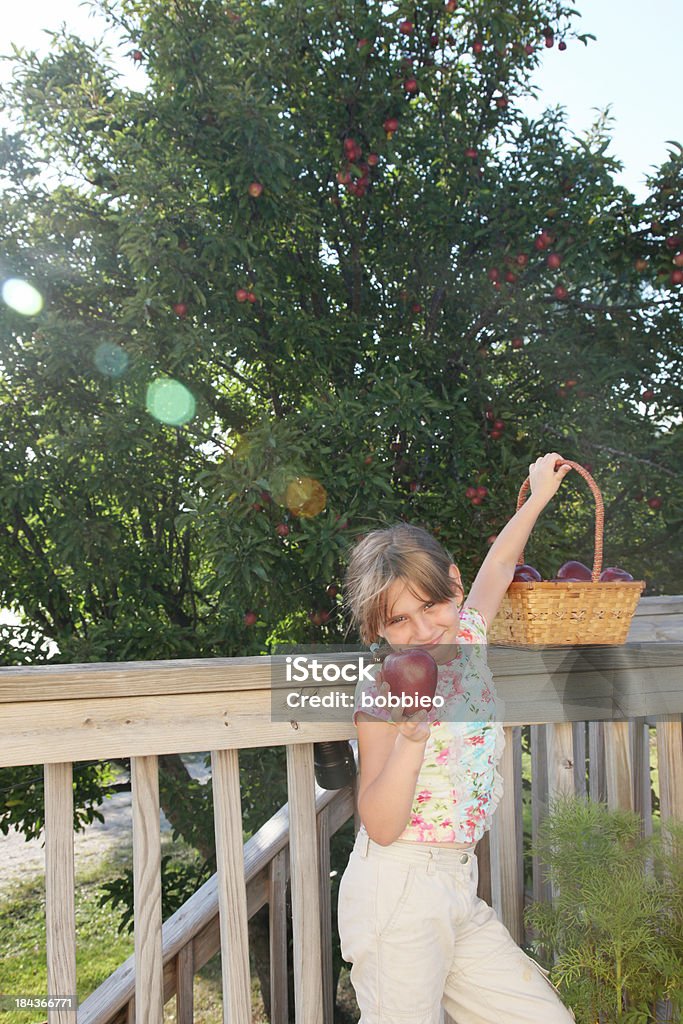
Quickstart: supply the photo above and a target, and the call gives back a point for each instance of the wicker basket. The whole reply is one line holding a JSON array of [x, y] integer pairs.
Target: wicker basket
[[557, 614]]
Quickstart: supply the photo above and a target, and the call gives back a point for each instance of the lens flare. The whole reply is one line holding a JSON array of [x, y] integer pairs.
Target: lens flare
[[110, 359], [305, 497], [22, 297], [170, 402]]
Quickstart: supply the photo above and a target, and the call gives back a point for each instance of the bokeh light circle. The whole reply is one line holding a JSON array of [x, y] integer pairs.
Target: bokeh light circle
[[170, 402], [110, 359], [22, 297], [305, 497]]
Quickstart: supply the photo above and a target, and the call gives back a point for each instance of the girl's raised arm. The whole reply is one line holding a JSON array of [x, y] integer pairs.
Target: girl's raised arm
[[545, 476]]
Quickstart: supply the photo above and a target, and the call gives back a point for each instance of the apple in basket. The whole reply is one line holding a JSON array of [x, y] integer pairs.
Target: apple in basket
[[573, 572], [613, 574], [526, 574], [413, 674]]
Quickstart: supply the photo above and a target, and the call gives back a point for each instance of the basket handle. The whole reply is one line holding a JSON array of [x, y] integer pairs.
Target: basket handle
[[599, 513]]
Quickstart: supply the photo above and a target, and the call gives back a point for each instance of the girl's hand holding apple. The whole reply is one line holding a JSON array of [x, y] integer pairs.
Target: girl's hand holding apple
[[415, 728]]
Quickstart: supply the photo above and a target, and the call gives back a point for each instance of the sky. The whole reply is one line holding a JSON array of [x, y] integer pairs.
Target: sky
[[632, 67]]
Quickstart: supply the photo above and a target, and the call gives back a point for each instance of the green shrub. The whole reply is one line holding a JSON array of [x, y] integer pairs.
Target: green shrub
[[614, 932]]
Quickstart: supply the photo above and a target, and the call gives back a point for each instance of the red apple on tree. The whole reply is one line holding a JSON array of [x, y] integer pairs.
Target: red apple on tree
[[562, 45], [517, 343], [282, 530], [137, 56], [250, 618], [255, 189], [406, 27], [471, 153], [390, 125], [241, 294], [560, 292], [180, 309], [554, 261], [413, 674], [477, 47], [410, 85], [655, 503], [471, 492]]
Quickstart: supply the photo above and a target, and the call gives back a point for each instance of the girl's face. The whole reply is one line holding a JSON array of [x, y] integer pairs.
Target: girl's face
[[416, 621]]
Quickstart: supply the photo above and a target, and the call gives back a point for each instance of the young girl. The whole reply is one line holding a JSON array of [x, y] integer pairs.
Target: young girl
[[410, 922]]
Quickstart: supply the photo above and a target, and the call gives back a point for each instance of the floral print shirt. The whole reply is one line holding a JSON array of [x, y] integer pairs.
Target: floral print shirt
[[459, 786]]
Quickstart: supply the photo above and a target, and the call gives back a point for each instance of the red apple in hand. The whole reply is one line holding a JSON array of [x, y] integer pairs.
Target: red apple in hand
[[613, 573], [526, 574], [412, 673], [575, 572]]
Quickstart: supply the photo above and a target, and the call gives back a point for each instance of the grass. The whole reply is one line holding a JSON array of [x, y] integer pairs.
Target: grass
[[100, 947]]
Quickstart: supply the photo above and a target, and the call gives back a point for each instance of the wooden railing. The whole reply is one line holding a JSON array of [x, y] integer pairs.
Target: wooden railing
[[85, 712]]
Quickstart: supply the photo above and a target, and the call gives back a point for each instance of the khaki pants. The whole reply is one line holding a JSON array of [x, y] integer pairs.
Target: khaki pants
[[420, 941]]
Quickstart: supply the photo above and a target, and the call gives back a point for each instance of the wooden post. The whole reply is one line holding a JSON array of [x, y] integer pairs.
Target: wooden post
[[597, 783], [618, 766], [640, 754], [670, 765], [60, 916], [560, 751], [539, 805], [579, 748], [323, 829], [277, 922], [184, 995], [304, 873], [149, 974], [508, 900], [232, 893]]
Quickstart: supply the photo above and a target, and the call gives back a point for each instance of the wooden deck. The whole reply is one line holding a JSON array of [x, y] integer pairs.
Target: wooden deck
[[56, 715]]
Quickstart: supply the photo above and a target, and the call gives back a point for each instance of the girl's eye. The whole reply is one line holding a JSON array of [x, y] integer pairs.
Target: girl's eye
[[430, 604]]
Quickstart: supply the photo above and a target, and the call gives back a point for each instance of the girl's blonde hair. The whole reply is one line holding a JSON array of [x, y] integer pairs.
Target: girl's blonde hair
[[402, 552]]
